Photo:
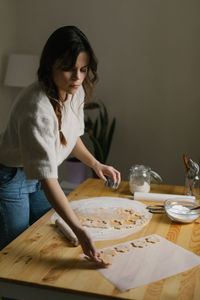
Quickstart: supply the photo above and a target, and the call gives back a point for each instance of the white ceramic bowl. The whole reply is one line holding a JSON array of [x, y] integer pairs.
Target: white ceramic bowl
[[179, 210]]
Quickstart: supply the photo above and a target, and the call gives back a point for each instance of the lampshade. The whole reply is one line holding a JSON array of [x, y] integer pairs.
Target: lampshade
[[21, 70]]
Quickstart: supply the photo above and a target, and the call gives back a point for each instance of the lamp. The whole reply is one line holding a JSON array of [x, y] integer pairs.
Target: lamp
[[21, 70]]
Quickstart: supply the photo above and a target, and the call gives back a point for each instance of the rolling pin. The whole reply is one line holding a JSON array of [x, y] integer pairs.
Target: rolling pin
[[161, 197], [68, 233]]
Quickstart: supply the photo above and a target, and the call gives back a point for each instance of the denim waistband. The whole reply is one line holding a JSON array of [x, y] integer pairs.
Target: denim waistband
[[14, 178]]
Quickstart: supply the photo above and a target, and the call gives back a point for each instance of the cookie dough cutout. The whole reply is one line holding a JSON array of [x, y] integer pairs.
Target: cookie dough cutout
[[152, 239], [109, 251], [116, 222], [123, 248], [95, 224], [139, 244], [107, 259], [117, 218]]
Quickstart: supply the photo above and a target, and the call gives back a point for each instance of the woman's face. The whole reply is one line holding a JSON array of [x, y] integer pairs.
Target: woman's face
[[68, 81]]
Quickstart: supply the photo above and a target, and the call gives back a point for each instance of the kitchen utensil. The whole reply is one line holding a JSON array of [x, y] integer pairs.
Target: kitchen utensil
[[160, 209], [68, 233], [110, 183], [161, 197], [156, 209]]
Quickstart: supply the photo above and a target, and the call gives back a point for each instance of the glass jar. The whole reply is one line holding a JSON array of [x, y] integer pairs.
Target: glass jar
[[192, 186], [140, 179]]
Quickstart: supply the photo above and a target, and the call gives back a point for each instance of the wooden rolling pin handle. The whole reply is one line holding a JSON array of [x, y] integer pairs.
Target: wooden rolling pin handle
[[68, 233]]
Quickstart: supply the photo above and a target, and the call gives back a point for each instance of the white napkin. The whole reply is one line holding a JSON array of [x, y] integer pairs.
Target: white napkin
[[161, 197]]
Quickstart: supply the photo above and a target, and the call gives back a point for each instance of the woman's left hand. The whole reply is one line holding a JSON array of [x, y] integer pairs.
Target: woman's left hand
[[81, 152], [103, 170]]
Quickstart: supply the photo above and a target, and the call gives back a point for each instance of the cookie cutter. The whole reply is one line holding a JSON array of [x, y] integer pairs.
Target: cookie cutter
[[110, 183]]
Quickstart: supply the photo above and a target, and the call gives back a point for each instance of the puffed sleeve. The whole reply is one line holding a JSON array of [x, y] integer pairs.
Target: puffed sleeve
[[37, 145]]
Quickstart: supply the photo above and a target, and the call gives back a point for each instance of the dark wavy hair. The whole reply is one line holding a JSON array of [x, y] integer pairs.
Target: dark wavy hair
[[64, 45]]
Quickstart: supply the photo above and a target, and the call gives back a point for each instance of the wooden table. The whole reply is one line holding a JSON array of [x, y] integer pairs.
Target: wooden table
[[42, 265]]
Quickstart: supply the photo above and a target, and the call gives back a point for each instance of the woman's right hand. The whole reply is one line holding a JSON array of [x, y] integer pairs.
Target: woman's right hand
[[87, 245], [57, 199]]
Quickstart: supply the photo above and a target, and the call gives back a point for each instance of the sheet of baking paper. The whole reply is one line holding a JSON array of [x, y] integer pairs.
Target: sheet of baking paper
[[161, 197], [142, 266], [90, 205]]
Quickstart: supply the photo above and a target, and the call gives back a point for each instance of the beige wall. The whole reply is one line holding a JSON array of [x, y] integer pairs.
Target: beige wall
[[8, 39], [149, 70]]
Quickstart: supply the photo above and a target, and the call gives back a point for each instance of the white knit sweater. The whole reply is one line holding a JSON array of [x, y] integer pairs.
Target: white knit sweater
[[31, 138]]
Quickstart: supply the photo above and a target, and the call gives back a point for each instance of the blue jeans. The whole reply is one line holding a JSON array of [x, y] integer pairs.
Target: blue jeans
[[22, 202]]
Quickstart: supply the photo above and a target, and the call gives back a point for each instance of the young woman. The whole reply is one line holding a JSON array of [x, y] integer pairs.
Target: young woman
[[44, 127]]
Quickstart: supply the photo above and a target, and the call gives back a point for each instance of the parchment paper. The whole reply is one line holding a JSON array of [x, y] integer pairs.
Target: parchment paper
[[91, 204], [142, 266]]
